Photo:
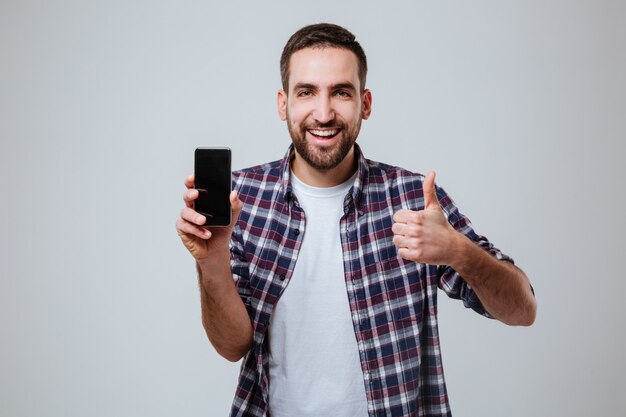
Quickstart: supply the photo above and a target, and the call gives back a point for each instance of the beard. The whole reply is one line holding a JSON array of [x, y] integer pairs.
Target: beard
[[323, 158]]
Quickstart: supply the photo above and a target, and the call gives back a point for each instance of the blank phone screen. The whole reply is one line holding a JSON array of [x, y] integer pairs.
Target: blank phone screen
[[212, 180]]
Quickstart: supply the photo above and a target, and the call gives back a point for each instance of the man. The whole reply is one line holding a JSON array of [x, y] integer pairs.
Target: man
[[326, 280]]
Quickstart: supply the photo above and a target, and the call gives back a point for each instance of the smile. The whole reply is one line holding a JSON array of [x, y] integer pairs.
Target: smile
[[325, 134]]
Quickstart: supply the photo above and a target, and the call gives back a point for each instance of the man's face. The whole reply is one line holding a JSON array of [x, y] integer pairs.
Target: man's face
[[324, 105]]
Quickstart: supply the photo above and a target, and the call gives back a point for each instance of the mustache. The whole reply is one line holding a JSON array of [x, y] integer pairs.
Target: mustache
[[327, 125]]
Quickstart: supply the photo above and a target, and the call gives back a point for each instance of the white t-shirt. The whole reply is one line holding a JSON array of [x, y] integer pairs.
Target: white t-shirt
[[313, 355]]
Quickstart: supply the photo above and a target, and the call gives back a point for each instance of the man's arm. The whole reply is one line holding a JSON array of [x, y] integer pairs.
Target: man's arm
[[502, 288], [426, 236], [224, 316]]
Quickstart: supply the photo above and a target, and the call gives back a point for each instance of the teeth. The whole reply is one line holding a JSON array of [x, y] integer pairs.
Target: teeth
[[324, 132]]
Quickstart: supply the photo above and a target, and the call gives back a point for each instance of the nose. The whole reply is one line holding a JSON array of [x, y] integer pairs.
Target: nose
[[324, 112]]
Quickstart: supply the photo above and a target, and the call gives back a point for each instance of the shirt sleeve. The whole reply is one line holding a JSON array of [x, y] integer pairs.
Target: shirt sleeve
[[240, 267], [449, 280]]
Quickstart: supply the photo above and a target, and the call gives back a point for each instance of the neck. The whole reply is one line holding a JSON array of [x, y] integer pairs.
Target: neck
[[328, 177]]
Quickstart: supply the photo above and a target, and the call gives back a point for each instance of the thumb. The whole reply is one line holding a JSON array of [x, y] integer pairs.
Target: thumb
[[236, 205], [430, 195]]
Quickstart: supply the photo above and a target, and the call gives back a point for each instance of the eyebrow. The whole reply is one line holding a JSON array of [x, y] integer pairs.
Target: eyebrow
[[344, 86], [340, 86], [307, 86]]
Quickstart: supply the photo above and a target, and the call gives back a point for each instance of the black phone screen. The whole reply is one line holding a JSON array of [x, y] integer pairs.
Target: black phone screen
[[212, 180]]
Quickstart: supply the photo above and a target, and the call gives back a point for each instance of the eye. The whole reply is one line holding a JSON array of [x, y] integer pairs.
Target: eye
[[343, 93], [304, 93]]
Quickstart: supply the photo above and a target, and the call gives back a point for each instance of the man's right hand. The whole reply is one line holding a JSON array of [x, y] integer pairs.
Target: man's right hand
[[224, 315], [202, 243]]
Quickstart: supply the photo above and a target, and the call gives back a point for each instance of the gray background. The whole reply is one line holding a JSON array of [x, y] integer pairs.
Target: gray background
[[519, 106]]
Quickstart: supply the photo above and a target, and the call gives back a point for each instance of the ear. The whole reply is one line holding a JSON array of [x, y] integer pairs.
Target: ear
[[366, 104], [281, 100]]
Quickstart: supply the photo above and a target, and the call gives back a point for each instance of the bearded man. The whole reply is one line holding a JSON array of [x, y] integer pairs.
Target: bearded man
[[326, 280]]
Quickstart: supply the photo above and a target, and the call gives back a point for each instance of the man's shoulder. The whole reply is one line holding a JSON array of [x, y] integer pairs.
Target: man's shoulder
[[390, 183], [383, 172], [267, 172]]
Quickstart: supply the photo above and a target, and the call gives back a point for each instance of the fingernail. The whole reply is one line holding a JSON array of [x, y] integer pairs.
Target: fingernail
[[200, 219], [207, 233]]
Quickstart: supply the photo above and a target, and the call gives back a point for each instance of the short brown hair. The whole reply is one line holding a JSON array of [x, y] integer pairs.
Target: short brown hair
[[321, 35]]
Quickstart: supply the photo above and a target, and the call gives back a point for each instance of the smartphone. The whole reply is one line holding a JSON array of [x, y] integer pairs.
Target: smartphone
[[212, 180]]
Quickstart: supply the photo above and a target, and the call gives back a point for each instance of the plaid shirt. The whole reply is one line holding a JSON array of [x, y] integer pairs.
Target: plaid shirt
[[393, 301]]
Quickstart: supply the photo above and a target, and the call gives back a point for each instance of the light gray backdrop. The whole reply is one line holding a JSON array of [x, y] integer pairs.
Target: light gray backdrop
[[518, 105]]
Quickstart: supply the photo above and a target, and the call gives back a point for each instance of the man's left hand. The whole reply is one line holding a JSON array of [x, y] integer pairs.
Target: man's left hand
[[425, 236]]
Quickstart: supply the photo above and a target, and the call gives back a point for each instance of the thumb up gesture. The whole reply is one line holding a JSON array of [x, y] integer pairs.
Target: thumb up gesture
[[425, 236]]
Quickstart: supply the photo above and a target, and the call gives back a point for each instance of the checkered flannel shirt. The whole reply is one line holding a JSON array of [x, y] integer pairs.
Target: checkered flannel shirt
[[393, 301]]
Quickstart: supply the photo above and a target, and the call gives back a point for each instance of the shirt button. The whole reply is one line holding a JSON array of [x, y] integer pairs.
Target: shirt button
[[296, 231], [282, 277]]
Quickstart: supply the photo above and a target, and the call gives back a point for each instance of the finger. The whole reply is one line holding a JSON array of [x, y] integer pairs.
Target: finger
[[406, 242], [398, 240], [235, 202], [236, 205], [183, 228], [430, 194], [192, 216], [411, 254], [407, 229], [189, 196], [404, 216], [408, 216], [189, 181]]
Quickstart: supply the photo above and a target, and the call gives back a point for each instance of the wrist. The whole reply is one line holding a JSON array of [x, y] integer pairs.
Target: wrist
[[461, 251], [215, 256], [471, 261], [213, 266]]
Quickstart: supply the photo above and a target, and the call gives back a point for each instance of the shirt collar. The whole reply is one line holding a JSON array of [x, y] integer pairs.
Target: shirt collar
[[355, 193]]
